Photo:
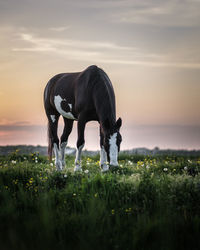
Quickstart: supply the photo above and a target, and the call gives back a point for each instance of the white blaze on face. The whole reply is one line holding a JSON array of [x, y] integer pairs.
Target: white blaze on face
[[113, 150], [57, 100]]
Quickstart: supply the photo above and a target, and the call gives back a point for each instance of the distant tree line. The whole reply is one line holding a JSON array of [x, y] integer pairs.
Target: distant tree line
[[42, 150]]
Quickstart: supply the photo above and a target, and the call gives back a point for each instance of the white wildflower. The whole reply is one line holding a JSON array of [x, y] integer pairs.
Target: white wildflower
[[65, 175], [51, 164], [13, 162], [185, 168], [165, 169], [86, 171]]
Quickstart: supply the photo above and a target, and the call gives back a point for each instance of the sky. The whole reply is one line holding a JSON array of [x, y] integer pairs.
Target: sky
[[149, 48]]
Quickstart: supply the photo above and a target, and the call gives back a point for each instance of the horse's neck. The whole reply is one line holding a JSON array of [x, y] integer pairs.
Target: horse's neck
[[104, 104], [106, 113], [107, 122]]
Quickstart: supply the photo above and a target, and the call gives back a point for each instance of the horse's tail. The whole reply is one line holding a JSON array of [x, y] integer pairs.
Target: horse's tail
[[50, 141]]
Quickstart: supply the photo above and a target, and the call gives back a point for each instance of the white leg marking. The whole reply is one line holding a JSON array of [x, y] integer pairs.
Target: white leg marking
[[78, 159], [113, 151], [57, 158], [103, 160], [57, 100], [62, 152], [53, 118]]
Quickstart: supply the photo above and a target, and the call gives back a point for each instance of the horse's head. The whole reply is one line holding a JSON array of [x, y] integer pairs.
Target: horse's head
[[112, 141]]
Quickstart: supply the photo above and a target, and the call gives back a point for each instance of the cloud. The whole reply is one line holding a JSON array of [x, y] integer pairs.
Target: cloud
[[62, 14], [19, 127], [153, 64], [183, 13], [10, 125], [7, 122], [52, 43], [22, 133], [76, 49], [100, 52], [4, 128], [59, 29]]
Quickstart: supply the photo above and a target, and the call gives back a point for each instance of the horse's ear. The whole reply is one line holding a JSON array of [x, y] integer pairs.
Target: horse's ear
[[118, 123]]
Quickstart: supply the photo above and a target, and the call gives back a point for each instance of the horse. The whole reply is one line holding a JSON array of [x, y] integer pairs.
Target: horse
[[82, 96]]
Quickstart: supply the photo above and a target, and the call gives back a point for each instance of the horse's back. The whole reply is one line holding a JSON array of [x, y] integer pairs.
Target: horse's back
[[66, 84], [80, 89]]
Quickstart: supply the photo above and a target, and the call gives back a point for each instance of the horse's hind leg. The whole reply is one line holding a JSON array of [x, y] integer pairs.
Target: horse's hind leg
[[54, 141], [64, 138]]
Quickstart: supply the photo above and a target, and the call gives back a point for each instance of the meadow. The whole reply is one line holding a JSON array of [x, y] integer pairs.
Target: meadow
[[148, 202]]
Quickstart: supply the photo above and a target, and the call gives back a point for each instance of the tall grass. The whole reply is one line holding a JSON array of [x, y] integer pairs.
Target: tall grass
[[148, 203]]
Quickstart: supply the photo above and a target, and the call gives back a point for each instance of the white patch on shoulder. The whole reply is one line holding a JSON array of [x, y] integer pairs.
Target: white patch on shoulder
[[113, 151], [53, 118], [57, 100]]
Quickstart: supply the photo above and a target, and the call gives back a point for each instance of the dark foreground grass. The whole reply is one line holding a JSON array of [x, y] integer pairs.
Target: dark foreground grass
[[148, 203]]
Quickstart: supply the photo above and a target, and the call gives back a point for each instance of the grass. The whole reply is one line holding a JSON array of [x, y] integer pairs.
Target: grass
[[146, 203]]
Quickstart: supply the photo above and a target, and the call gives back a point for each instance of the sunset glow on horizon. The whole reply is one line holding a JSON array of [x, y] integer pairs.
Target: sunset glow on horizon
[[149, 49]]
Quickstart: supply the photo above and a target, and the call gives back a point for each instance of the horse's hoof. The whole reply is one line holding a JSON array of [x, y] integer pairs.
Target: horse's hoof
[[77, 168], [63, 164], [59, 165], [105, 168]]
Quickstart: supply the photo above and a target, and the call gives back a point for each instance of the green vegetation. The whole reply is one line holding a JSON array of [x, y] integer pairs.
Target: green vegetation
[[147, 203]]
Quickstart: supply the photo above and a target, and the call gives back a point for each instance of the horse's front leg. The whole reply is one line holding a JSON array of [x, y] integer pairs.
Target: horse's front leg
[[80, 144], [103, 156]]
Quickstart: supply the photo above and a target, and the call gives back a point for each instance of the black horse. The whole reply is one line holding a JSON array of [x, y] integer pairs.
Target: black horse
[[82, 96]]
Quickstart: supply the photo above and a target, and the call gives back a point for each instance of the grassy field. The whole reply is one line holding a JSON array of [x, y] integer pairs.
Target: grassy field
[[146, 203]]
